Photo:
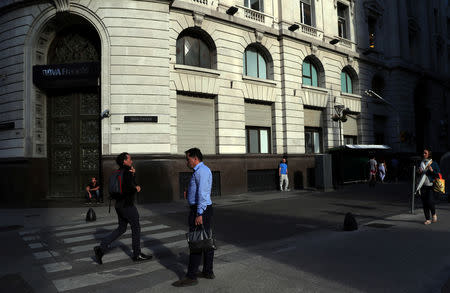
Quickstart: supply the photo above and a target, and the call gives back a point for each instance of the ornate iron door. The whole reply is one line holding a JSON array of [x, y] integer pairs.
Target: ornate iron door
[[73, 142]]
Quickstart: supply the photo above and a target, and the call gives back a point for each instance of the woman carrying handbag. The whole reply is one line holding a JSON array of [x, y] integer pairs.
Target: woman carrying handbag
[[431, 171]]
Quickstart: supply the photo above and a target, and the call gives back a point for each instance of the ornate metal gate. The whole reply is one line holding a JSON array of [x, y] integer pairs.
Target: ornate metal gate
[[73, 107], [73, 142]]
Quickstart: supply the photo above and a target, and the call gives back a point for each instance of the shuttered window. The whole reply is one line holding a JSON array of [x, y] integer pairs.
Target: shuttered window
[[313, 118], [258, 122], [196, 124], [350, 127]]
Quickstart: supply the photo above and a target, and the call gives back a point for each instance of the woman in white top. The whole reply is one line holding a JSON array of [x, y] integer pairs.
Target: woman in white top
[[431, 170]]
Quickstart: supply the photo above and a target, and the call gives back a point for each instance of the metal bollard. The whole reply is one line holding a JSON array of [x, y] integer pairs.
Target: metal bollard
[[413, 189]]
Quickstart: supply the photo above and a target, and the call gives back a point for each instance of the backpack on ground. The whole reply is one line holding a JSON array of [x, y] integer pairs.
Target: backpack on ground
[[90, 215]]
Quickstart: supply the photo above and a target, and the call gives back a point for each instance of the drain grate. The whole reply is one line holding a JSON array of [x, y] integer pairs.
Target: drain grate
[[379, 225], [10, 228]]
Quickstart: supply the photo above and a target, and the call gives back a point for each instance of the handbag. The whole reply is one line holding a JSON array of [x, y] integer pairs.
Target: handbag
[[439, 184], [200, 239]]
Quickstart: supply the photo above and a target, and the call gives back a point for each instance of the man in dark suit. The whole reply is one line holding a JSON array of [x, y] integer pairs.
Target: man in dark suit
[[127, 212]]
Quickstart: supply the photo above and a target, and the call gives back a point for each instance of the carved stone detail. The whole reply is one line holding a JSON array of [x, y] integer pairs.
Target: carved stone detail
[[198, 19], [62, 5], [314, 49], [259, 36], [350, 60]]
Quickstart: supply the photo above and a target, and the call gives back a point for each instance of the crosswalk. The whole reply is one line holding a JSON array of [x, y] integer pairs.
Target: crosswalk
[[65, 253]]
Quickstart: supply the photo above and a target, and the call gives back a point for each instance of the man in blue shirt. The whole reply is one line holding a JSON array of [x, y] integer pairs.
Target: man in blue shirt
[[201, 213], [283, 173]]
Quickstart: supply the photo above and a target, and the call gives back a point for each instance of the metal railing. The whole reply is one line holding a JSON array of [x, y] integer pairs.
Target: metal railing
[[309, 30], [345, 42], [254, 15], [204, 2]]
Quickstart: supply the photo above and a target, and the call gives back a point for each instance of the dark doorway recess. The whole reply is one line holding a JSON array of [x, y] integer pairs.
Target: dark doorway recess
[[73, 108]]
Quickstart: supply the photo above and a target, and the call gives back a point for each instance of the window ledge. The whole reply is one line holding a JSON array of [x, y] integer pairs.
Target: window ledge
[[197, 69], [259, 80], [350, 95], [314, 88]]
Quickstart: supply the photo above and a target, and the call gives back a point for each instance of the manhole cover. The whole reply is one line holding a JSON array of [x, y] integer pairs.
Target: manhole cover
[[10, 228], [379, 225]]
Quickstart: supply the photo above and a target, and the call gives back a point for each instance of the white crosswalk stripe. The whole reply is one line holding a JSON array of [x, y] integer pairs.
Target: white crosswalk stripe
[[66, 253], [95, 278], [71, 264], [97, 236], [93, 230]]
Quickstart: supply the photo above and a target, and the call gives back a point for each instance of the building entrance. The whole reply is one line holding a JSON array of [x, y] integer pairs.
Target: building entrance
[[70, 80], [73, 141]]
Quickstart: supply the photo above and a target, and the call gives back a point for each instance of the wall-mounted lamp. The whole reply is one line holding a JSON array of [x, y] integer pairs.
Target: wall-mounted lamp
[[232, 10], [293, 27], [105, 114], [334, 41], [341, 113]]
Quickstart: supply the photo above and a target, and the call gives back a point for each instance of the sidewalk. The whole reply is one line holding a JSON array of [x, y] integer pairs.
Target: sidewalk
[[360, 195], [53, 216]]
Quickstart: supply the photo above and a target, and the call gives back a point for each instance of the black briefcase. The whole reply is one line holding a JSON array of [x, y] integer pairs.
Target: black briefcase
[[201, 239]]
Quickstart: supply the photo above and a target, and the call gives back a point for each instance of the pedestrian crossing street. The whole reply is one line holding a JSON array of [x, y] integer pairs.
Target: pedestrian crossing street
[[66, 255]]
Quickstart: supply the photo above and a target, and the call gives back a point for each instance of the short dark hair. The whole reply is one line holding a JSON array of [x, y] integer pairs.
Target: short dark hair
[[120, 158], [194, 152], [430, 153]]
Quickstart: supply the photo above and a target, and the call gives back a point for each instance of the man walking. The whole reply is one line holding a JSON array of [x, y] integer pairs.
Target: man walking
[[201, 213], [283, 173], [126, 212]]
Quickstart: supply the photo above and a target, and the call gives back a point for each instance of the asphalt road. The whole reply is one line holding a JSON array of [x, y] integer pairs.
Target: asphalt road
[[285, 242]]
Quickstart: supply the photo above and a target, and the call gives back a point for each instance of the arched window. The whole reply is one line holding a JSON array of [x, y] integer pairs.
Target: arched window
[[193, 51], [309, 73], [346, 82], [255, 64]]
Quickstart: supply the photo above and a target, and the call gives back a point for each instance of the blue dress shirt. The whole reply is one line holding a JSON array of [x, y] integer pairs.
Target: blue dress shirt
[[199, 190]]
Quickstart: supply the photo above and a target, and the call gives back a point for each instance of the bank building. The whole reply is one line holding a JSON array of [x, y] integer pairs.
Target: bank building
[[246, 81]]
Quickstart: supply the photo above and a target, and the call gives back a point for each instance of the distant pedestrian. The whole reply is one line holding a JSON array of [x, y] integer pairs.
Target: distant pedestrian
[[126, 212], [201, 213], [382, 170], [283, 173], [373, 165], [431, 170], [93, 191], [394, 169]]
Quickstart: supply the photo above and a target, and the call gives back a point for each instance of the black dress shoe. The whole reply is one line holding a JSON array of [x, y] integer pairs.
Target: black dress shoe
[[185, 282], [142, 257], [206, 275], [98, 254]]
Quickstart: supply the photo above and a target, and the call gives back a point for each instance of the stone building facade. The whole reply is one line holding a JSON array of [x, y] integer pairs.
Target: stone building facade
[[246, 81]]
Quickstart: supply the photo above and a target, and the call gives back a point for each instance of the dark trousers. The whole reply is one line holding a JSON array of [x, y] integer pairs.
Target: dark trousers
[[195, 258], [427, 201], [125, 215]]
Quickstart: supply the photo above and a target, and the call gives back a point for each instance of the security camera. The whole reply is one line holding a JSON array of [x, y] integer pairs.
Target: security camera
[[105, 114]]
